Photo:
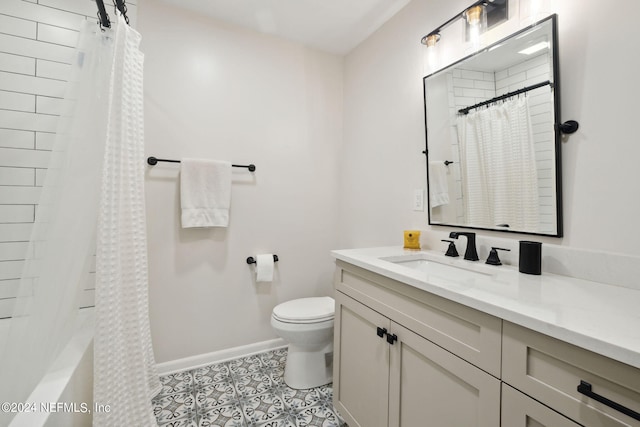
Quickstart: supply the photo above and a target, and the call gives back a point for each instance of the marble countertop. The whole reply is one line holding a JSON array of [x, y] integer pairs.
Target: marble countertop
[[596, 316]]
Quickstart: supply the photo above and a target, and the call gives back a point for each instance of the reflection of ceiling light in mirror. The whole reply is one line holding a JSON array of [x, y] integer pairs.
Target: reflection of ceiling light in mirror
[[526, 33], [535, 48]]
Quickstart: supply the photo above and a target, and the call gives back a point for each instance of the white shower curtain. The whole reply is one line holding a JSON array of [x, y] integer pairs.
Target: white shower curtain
[[498, 165], [125, 377], [59, 256], [99, 139]]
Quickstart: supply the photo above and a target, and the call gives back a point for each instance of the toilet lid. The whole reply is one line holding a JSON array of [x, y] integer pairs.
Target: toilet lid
[[305, 310]]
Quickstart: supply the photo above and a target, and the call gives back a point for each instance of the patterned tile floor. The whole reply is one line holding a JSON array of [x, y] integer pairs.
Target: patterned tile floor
[[246, 392]]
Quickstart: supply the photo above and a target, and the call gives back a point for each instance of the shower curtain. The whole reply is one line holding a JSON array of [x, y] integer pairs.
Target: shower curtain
[[94, 182], [498, 165], [125, 377]]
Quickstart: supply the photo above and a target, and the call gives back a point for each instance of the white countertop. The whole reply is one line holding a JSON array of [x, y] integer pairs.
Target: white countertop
[[599, 317]]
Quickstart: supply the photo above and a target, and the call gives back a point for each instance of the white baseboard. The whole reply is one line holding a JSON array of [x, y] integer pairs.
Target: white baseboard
[[193, 362]]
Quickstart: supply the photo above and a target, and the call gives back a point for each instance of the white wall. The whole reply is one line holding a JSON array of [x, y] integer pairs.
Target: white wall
[[384, 127], [213, 90]]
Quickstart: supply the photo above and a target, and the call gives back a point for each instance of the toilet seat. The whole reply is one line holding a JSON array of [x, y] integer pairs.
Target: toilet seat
[[305, 310]]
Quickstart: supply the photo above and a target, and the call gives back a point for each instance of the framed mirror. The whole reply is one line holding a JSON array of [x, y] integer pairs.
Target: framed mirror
[[493, 147]]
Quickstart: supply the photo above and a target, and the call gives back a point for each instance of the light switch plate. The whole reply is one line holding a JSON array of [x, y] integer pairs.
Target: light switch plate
[[418, 199]]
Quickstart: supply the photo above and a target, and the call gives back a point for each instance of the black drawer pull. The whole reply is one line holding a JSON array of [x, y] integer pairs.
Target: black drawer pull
[[381, 331], [391, 338], [585, 388]]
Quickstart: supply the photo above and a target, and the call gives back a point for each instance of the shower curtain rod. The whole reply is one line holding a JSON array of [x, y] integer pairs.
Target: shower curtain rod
[[104, 16], [505, 96]]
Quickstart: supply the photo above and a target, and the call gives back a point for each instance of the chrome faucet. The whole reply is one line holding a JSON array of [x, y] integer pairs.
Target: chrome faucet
[[471, 253]]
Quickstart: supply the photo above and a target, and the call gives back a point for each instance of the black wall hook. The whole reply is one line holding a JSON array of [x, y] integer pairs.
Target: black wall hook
[[570, 126]]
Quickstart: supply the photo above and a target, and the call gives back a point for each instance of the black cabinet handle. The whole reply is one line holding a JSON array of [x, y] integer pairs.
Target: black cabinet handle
[[585, 388], [381, 332], [391, 338]]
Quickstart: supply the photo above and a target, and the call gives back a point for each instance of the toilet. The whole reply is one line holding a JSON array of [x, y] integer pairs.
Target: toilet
[[307, 325]]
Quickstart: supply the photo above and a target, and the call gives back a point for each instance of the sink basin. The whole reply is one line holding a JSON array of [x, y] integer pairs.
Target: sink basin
[[453, 268]]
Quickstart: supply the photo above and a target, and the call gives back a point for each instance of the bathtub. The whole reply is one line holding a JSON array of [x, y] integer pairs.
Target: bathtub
[[68, 384]]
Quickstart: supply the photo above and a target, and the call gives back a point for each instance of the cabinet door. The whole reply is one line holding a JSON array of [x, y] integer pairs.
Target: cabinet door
[[519, 410], [434, 388], [360, 365]]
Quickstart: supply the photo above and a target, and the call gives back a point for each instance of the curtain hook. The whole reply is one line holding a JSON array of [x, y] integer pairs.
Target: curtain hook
[[124, 10]]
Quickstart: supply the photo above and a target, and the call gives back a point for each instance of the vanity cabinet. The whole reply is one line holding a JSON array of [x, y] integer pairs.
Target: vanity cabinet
[[388, 373], [404, 357]]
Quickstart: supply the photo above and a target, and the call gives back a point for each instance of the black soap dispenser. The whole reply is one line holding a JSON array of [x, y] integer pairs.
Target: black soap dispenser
[[451, 250], [530, 257]]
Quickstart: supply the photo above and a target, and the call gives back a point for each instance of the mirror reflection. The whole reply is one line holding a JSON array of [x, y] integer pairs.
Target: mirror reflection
[[492, 146]]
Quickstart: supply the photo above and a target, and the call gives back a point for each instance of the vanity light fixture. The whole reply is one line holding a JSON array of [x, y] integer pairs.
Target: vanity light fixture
[[480, 16], [473, 14], [476, 20], [430, 40]]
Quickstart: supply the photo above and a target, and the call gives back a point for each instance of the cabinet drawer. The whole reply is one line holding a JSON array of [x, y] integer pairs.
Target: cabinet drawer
[[550, 371], [470, 334], [519, 410]]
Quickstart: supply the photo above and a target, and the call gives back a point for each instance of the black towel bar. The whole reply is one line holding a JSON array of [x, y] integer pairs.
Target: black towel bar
[[154, 160]]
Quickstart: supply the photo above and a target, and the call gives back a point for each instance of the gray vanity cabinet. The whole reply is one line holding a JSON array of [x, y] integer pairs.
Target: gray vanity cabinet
[[386, 374], [405, 357]]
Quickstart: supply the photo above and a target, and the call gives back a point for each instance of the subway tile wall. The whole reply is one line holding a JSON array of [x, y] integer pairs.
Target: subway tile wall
[[37, 40]]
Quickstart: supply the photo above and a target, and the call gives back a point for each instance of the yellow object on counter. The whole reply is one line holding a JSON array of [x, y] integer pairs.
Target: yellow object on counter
[[412, 239]]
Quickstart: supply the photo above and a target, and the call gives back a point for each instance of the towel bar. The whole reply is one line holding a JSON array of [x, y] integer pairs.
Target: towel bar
[[154, 160]]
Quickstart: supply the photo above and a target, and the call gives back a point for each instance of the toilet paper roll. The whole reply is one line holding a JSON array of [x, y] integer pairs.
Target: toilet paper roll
[[264, 268]]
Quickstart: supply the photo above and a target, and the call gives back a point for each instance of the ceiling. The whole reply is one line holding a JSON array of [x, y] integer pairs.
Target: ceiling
[[335, 26]]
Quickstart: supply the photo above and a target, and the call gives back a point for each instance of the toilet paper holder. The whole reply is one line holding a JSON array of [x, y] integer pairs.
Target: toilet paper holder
[[252, 260]]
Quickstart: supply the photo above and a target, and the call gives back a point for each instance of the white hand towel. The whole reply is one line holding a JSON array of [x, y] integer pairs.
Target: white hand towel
[[205, 192], [438, 187]]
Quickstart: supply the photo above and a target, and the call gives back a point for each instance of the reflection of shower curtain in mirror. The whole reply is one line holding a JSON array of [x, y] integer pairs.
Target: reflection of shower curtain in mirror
[[498, 165]]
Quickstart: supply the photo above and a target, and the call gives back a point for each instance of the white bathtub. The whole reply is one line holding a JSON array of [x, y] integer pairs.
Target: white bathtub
[[69, 381]]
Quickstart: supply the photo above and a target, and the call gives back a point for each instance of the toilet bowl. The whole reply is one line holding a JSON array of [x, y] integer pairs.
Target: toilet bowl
[[307, 325]]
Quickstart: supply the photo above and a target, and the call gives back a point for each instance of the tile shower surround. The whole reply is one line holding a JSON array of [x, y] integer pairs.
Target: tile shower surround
[[37, 40], [249, 391]]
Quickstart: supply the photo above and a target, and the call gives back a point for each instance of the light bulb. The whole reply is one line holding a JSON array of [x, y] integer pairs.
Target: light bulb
[[472, 15], [432, 39]]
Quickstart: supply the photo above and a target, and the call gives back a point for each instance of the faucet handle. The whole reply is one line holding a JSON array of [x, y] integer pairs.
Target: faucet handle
[[451, 250], [493, 256]]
